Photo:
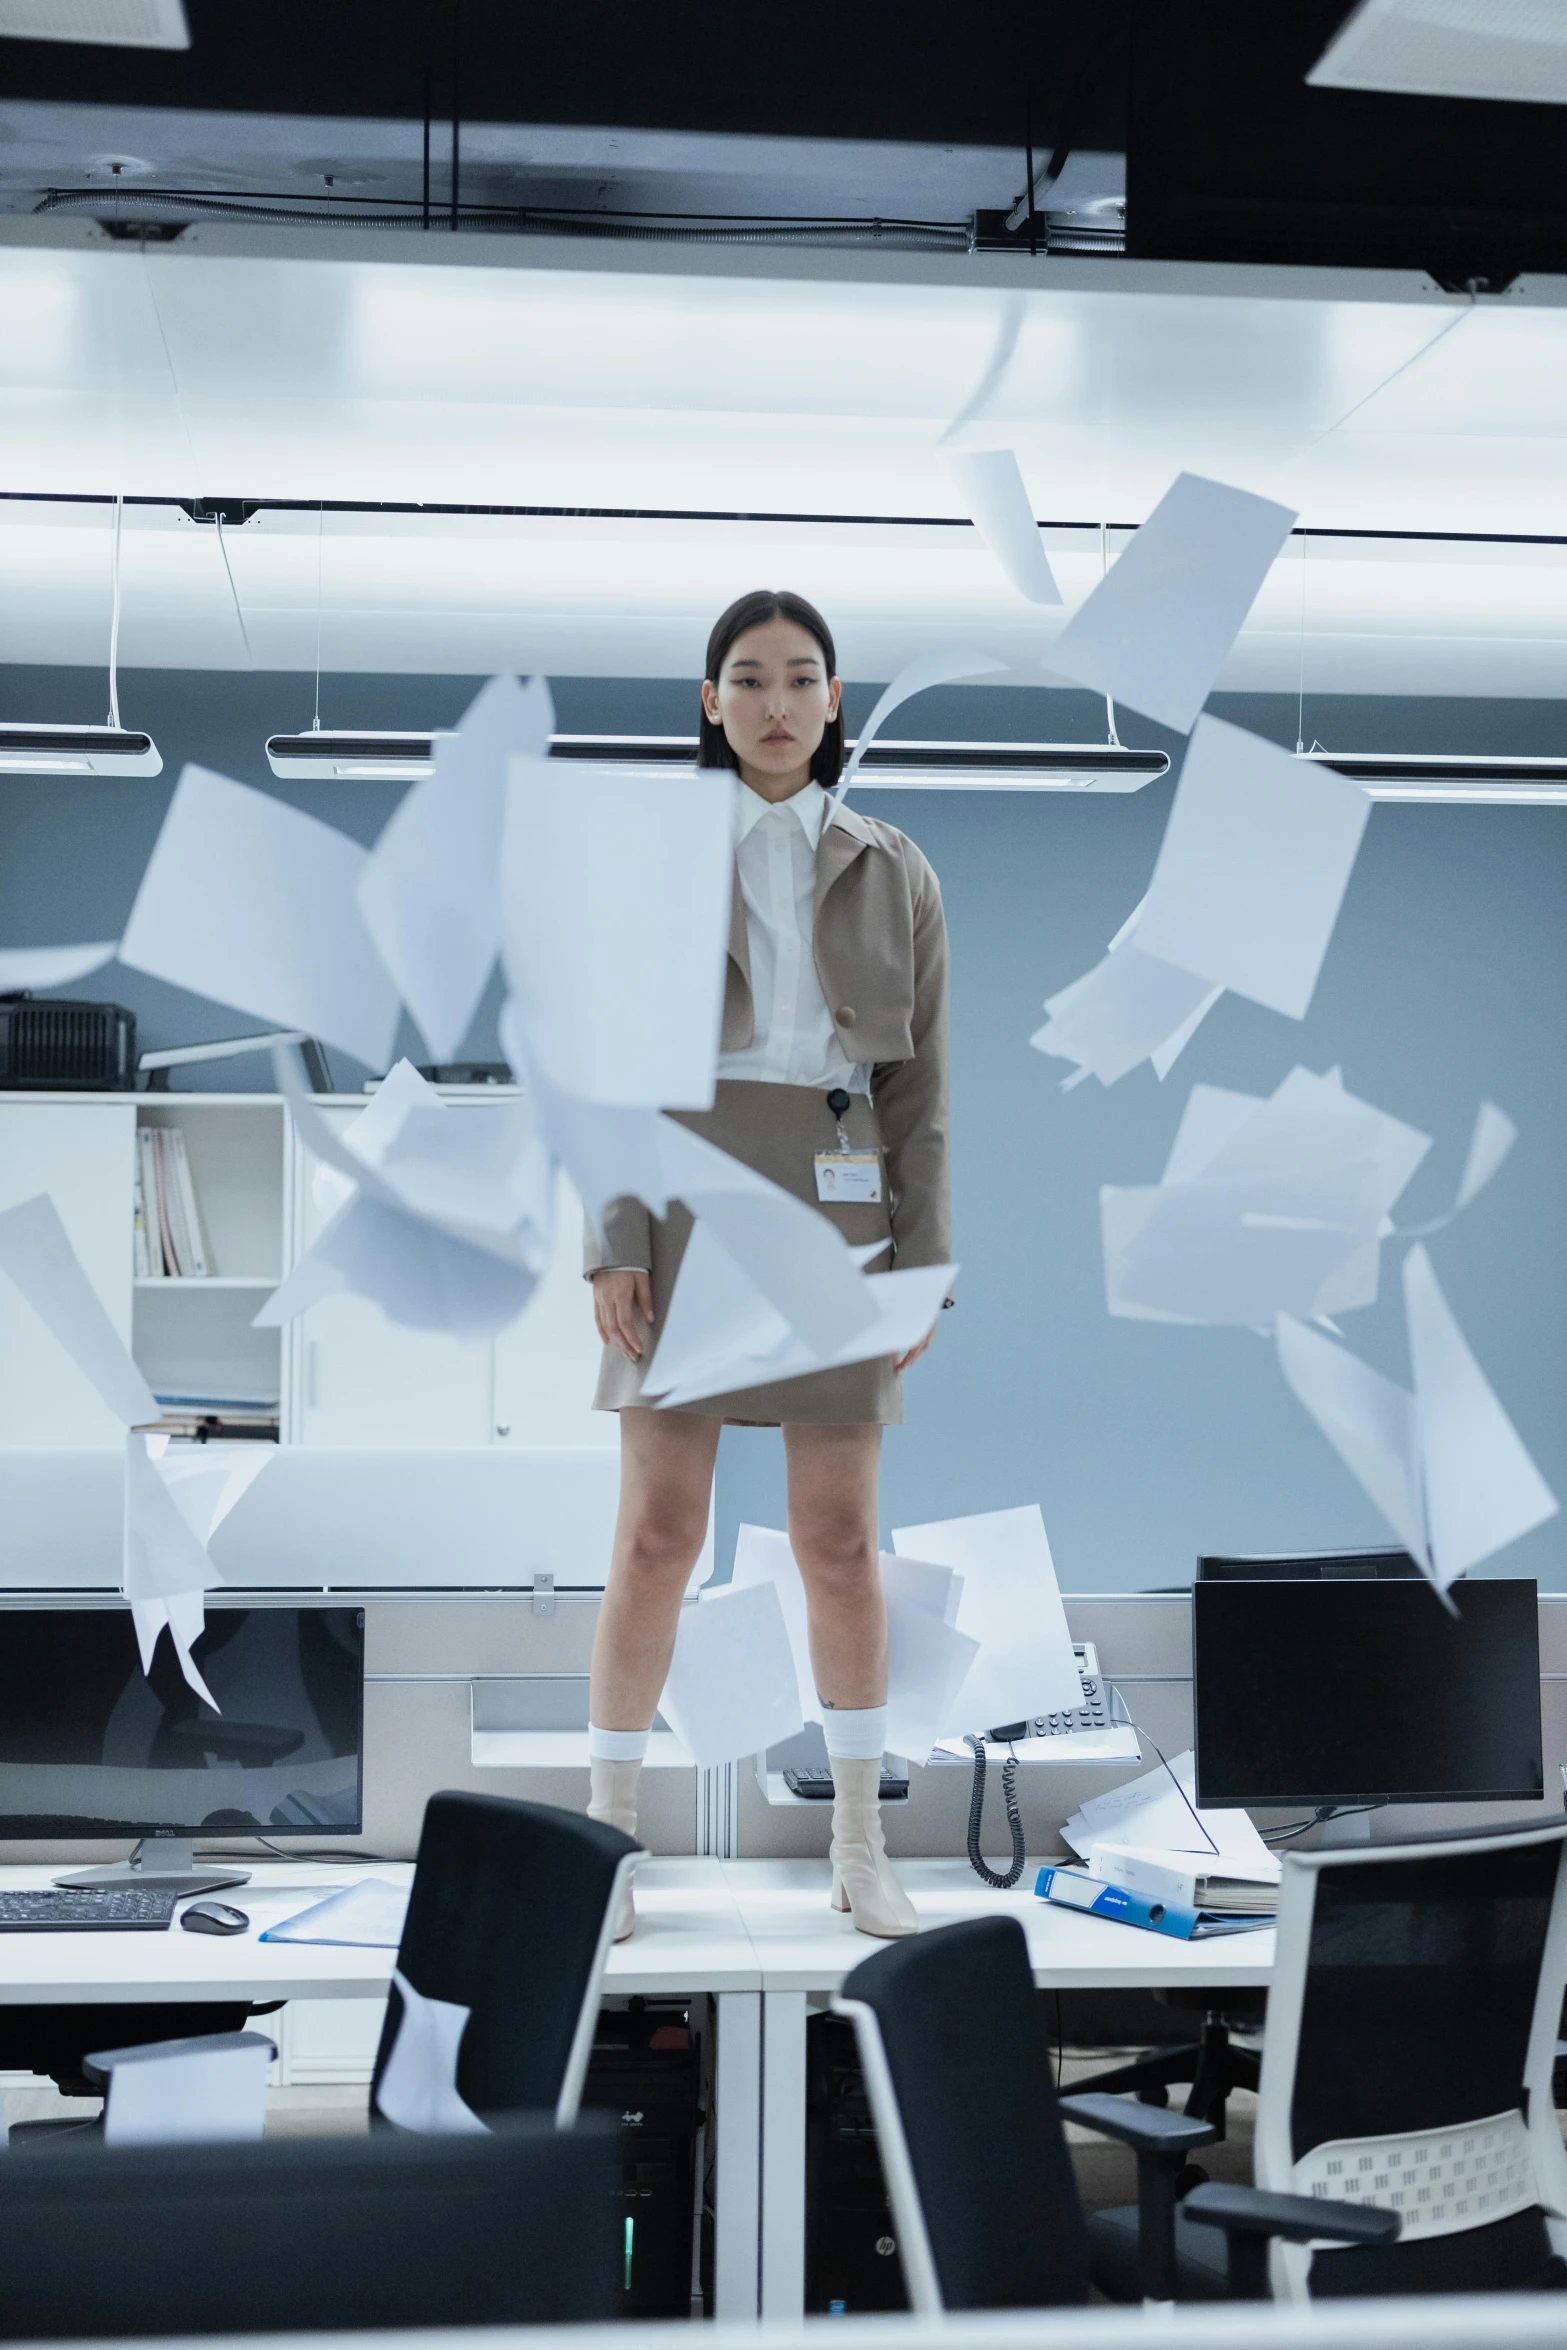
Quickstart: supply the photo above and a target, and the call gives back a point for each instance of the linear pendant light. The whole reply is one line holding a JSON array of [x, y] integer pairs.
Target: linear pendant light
[[326, 754], [113, 749], [1458, 778]]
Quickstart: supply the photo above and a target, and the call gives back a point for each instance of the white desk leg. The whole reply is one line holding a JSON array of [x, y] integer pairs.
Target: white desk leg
[[783, 2154], [737, 2171]]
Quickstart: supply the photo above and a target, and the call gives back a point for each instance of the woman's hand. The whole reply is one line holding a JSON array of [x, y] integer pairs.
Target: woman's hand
[[617, 1299], [915, 1352]]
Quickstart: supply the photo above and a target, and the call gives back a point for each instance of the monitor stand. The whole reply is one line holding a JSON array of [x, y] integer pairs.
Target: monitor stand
[[164, 1864]]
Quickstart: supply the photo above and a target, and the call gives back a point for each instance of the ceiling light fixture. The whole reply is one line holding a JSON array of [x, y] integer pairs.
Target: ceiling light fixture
[[1456, 777], [112, 749], [327, 755]]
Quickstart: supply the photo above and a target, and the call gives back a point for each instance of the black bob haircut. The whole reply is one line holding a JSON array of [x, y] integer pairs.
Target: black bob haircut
[[754, 611]]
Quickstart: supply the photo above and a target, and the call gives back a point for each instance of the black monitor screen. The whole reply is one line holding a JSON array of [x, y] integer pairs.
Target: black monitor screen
[[1366, 1692], [90, 1746]]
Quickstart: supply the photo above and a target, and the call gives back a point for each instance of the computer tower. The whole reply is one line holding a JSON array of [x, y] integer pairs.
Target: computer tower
[[851, 2245], [645, 2070]]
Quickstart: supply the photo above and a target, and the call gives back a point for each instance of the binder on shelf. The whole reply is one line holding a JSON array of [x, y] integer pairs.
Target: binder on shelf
[[1075, 1889], [141, 1258], [159, 1255], [186, 1219]]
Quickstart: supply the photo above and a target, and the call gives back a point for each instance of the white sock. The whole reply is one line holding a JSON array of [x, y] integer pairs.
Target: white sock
[[617, 1745], [857, 1736]]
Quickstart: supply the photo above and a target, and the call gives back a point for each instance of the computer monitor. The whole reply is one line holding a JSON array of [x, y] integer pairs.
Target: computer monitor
[[1347, 1692], [92, 1748], [1313, 1566]]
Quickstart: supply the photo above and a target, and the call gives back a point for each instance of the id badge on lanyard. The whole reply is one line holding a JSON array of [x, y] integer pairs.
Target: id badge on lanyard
[[847, 1174]]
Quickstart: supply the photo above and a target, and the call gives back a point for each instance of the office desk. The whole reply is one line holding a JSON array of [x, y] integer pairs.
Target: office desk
[[804, 1950]]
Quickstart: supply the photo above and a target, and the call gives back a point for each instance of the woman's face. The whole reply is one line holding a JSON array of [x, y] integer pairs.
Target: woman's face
[[773, 699]]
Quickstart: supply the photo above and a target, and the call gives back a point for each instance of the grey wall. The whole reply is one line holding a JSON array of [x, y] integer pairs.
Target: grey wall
[[1446, 983]]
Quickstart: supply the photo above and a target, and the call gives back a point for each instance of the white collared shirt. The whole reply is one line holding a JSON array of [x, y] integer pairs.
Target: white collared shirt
[[775, 851]]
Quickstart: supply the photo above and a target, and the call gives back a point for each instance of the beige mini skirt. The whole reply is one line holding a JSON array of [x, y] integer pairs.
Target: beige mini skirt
[[777, 1129]]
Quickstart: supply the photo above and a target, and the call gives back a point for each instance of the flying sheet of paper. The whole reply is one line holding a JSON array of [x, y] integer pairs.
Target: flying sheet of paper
[[36, 1251], [430, 894], [367, 1916], [763, 1555], [190, 2096], [1159, 1811], [1253, 868], [615, 905], [993, 489], [718, 1325], [369, 1135], [1011, 1604], [940, 668], [1369, 1421], [418, 2085], [921, 1583], [252, 903], [905, 1306], [208, 1480], [40, 967], [928, 1662], [1158, 628], [1493, 1138], [165, 1570], [1482, 1490], [1129, 1008], [732, 1688]]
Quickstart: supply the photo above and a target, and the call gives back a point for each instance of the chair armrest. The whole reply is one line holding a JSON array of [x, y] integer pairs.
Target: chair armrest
[[1147, 2128], [1162, 2143], [1249, 2217]]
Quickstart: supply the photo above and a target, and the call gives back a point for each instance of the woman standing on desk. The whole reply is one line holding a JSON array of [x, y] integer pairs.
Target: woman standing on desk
[[832, 1081]]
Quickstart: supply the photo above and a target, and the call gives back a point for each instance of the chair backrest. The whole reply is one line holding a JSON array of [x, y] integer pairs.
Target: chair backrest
[[511, 1915], [299, 2235], [1407, 2062], [957, 2070]]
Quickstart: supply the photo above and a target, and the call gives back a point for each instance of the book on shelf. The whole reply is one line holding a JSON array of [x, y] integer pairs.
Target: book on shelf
[[169, 1217], [141, 1256]]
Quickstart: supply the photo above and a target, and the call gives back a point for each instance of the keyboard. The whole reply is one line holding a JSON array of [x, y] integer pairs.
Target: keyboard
[[816, 1785], [111, 1909]]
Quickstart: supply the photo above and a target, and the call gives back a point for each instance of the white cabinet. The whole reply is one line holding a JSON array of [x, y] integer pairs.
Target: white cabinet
[[82, 1154], [547, 1362]]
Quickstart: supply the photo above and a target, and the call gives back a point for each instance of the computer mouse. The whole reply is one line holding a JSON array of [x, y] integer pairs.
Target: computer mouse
[[213, 1917]]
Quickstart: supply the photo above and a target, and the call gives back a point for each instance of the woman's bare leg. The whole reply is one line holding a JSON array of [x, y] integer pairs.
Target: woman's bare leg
[[666, 1484], [833, 1530]]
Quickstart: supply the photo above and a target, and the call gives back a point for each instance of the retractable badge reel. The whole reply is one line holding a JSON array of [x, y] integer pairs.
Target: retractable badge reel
[[846, 1174]]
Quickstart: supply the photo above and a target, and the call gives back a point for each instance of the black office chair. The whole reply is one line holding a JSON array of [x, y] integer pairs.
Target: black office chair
[[1215, 2064], [511, 1916], [957, 2069], [1407, 2068], [520, 2227]]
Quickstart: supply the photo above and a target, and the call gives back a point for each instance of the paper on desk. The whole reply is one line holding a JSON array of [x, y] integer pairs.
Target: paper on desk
[[36, 1251], [367, 1916], [252, 903], [430, 893], [993, 489], [1011, 1604], [1253, 868], [1131, 1007], [732, 1687], [616, 896], [418, 2085], [34, 967], [1157, 630], [939, 668], [1444, 1465], [1159, 1812]]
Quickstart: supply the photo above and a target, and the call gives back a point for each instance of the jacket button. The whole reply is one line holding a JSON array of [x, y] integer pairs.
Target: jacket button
[[845, 1015]]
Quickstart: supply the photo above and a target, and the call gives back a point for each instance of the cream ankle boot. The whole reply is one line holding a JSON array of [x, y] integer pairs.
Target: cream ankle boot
[[862, 1878], [612, 1798]]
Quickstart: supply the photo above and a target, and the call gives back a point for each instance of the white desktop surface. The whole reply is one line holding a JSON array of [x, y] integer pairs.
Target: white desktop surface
[[803, 1945], [689, 1937]]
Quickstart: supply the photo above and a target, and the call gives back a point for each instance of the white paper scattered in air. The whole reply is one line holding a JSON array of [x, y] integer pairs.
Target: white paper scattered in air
[[1489, 1145], [25, 968], [252, 903], [165, 1569], [418, 2085], [616, 894], [1011, 1604], [35, 1250], [430, 894], [1129, 1008], [732, 1688], [1158, 628], [939, 668], [993, 489]]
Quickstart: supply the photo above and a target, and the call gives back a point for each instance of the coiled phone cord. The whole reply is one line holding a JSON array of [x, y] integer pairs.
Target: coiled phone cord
[[976, 1809]]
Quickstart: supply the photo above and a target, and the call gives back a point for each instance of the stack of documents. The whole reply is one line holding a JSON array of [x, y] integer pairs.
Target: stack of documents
[[1159, 1838]]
